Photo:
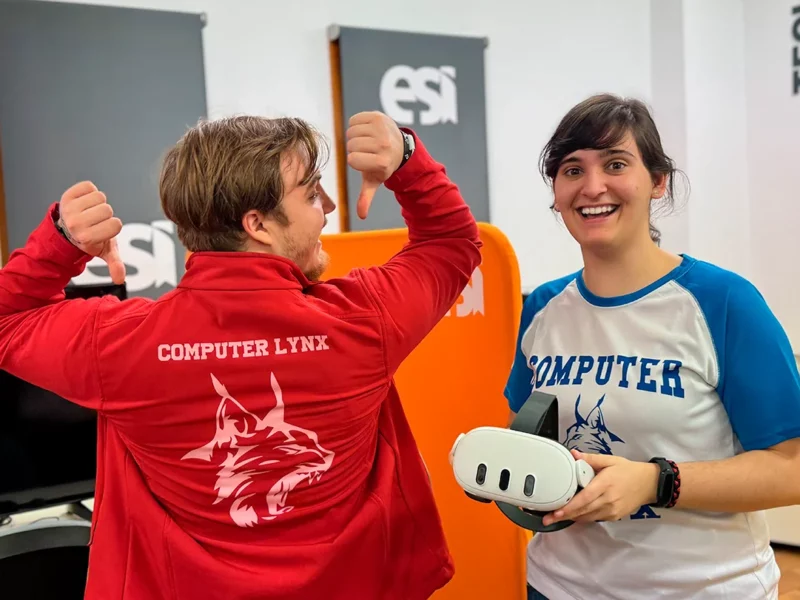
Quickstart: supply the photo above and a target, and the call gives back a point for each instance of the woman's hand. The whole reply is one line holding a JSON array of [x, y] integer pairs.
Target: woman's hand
[[619, 488]]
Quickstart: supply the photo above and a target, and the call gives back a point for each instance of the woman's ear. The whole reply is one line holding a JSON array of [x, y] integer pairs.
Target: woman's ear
[[659, 185]]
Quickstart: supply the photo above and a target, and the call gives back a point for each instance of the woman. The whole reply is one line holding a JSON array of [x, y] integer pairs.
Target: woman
[[653, 356]]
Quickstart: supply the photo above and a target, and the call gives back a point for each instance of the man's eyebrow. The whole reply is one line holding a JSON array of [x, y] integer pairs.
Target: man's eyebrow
[[314, 180]]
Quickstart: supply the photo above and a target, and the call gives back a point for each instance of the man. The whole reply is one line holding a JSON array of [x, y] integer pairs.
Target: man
[[251, 440]]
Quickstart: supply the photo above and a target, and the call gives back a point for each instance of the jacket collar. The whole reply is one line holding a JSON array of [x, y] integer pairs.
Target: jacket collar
[[242, 271]]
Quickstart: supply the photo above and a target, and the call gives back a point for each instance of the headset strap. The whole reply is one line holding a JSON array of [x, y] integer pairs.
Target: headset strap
[[538, 416]]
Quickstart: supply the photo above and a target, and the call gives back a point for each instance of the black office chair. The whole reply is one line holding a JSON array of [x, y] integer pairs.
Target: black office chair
[[48, 560]]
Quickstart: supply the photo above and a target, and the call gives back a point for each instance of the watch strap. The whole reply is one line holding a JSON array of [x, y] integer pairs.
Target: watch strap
[[669, 482]]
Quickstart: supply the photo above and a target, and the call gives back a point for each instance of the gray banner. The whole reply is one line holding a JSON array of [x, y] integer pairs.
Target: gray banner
[[433, 84], [99, 93]]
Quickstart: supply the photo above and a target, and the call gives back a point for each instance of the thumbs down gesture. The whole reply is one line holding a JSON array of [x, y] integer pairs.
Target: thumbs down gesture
[[88, 221], [374, 147]]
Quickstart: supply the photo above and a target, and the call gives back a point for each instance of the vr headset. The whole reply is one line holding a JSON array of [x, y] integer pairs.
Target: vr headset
[[522, 469]]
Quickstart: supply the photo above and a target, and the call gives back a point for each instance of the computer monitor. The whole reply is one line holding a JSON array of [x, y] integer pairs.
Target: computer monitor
[[48, 446]]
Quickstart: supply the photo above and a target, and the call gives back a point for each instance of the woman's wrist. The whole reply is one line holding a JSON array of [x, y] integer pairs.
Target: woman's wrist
[[651, 476]]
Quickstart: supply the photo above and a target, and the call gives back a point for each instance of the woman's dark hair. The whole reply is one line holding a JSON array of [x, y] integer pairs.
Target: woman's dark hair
[[600, 122]]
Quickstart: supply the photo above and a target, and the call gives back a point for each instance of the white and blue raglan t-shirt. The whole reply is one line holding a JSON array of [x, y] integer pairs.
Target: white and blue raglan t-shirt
[[694, 367]]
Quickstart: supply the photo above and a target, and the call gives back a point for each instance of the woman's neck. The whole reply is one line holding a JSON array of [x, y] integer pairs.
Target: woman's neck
[[626, 271]]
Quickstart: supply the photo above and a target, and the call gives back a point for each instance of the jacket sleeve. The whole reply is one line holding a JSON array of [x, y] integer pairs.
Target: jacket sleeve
[[44, 339], [420, 284]]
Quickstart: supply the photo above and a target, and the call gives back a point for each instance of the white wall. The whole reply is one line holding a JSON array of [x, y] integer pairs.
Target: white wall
[[668, 68], [742, 133], [773, 140], [716, 117]]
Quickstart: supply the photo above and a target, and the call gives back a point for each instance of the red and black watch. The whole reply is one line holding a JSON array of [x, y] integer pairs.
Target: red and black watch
[[669, 483]]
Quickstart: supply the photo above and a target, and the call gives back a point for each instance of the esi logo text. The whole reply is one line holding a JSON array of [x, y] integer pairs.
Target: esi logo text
[[403, 89]]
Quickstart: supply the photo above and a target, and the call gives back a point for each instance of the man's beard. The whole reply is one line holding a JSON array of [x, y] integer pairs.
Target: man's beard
[[320, 266], [314, 271]]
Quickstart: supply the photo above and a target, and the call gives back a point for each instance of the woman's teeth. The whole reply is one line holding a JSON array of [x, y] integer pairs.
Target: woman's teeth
[[588, 211]]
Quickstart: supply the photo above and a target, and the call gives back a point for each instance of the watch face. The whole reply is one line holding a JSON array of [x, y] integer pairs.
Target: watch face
[[665, 494]]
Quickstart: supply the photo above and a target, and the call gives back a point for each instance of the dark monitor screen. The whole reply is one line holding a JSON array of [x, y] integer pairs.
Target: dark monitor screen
[[48, 446]]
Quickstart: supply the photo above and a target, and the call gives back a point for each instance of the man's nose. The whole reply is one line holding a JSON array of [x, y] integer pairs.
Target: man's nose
[[328, 205]]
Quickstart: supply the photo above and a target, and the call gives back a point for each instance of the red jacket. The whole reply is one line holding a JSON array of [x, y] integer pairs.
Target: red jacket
[[252, 443]]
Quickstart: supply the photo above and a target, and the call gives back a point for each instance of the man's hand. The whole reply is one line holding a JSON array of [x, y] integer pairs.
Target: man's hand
[[374, 147], [619, 488], [89, 223]]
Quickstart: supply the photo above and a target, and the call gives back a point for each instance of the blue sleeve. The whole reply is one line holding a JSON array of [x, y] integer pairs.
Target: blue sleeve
[[759, 383], [519, 385], [520, 381]]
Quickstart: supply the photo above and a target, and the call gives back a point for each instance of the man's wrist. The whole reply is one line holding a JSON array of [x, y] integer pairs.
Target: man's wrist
[[58, 221], [58, 242], [420, 163]]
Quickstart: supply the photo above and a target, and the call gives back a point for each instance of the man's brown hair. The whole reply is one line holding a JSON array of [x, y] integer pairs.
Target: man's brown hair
[[221, 169]]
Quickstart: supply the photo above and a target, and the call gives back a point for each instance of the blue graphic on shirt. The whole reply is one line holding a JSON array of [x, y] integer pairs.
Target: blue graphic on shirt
[[590, 434]]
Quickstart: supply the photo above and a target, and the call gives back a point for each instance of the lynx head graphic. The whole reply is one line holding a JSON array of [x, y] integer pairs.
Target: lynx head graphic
[[260, 460], [590, 434]]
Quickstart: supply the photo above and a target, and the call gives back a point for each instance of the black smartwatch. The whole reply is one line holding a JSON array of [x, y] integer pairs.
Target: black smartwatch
[[669, 483], [408, 147]]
